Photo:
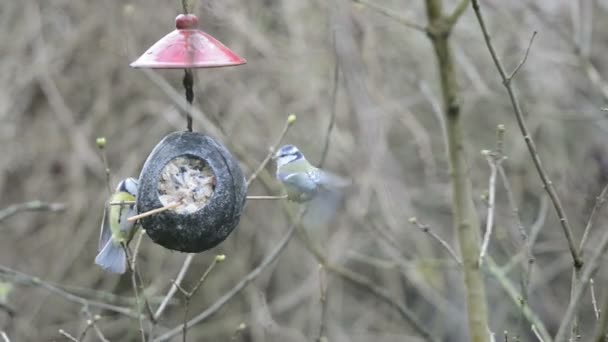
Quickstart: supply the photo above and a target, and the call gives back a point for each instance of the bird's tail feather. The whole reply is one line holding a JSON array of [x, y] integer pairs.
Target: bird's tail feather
[[112, 258]]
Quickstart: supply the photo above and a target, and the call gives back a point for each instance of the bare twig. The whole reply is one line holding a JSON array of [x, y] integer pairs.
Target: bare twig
[[596, 311], [601, 329], [578, 262], [29, 206], [599, 203], [140, 316], [68, 335], [458, 11], [291, 118], [4, 336], [323, 302], [511, 290], [491, 200], [25, 279], [334, 109], [524, 59], [586, 273], [391, 14], [426, 229], [154, 211], [188, 294], [101, 145], [178, 280], [271, 257], [537, 334], [93, 320], [494, 159]]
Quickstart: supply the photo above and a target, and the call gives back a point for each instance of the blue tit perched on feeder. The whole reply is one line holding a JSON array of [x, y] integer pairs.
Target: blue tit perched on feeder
[[116, 231], [303, 181]]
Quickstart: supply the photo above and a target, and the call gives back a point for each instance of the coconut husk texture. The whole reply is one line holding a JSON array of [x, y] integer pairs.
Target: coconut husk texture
[[212, 220]]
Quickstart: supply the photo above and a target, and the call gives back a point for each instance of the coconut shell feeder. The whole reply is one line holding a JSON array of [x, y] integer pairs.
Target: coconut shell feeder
[[193, 176]]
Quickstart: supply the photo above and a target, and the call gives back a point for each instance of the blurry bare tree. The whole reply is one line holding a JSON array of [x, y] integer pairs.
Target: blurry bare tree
[[387, 274]]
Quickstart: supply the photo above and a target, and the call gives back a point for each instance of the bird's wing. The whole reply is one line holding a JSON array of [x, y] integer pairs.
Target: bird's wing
[[301, 181], [328, 180], [106, 233]]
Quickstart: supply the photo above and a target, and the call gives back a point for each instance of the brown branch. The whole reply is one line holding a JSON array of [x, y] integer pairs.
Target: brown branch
[[548, 185]]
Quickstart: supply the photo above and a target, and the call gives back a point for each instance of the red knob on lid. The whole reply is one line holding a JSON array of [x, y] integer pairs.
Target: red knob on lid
[[186, 22]]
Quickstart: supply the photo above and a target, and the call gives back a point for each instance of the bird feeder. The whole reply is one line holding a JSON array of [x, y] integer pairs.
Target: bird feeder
[[190, 173], [199, 174]]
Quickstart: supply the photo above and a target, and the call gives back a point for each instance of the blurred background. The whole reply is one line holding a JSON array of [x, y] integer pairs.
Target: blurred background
[[65, 80]]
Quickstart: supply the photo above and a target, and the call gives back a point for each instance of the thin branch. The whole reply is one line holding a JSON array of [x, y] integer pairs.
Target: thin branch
[[537, 334], [596, 311], [491, 201], [68, 335], [4, 336], [101, 145], [578, 262], [426, 229], [523, 60], [458, 11], [599, 203], [392, 15], [587, 272], [334, 109], [323, 302], [140, 316], [25, 279], [269, 259], [178, 280], [29, 206], [601, 329], [291, 118], [511, 290], [189, 294], [93, 320]]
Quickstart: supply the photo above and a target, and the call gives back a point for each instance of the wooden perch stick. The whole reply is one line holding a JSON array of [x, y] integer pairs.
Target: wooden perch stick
[[154, 211]]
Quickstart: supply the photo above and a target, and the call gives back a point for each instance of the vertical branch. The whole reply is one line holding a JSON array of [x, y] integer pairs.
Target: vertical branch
[[548, 185], [465, 216]]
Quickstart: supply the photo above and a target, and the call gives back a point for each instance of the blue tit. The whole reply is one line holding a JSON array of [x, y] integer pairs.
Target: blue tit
[[116, 231], [303, 181]]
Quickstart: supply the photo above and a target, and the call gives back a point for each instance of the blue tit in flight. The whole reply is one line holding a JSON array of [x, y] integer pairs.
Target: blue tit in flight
[[116, 231], [303, 181]]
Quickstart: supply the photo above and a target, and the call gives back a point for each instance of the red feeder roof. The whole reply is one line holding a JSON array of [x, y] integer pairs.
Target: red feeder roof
[[187, 47]]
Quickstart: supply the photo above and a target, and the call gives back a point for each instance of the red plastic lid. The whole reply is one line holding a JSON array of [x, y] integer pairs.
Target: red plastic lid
[[187, 47]]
